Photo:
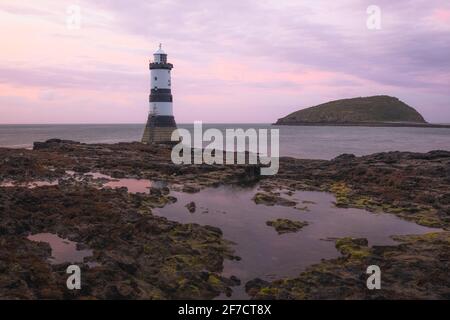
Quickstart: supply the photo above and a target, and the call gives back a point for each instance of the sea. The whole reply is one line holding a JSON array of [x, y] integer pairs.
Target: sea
[[307, 142]]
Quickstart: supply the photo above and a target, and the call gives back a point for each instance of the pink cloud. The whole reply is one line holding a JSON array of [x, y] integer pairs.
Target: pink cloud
[[442, 15], [250, 61]]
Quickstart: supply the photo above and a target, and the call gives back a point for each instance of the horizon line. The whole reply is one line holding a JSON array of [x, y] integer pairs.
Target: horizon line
[[119, 123]]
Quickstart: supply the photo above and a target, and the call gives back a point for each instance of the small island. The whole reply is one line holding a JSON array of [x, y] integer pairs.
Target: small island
[[382, 111]]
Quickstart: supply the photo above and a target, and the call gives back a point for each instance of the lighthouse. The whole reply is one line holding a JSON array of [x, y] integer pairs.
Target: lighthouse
[[160, 122]]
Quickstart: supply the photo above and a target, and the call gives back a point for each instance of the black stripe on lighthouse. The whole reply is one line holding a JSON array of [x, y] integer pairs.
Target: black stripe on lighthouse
[[159, 65], [158, 96], [161, 121]]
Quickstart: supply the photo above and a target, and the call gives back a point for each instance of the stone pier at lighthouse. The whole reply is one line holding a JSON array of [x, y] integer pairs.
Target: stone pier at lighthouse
[[160, 122]]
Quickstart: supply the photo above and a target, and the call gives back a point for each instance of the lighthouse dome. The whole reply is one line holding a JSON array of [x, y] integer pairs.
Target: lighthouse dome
[[160, 51]]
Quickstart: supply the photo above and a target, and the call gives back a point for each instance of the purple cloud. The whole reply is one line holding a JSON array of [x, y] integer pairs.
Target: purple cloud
[[271, 46]]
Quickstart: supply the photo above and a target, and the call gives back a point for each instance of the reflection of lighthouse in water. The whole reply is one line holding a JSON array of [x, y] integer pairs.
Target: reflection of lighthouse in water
[[160, 123]]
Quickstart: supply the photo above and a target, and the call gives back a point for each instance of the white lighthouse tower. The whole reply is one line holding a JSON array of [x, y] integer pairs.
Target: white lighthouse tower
[[160, 122]]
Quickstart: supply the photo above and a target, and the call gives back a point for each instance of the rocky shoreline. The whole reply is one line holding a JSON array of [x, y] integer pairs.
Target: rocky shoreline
[[139, 255]]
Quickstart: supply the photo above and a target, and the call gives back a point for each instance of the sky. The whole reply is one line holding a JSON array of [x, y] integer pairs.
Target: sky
[[242, 61]]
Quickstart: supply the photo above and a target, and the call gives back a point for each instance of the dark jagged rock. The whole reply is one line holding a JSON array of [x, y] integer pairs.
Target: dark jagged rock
[[345, 157], [252, 287], [191, 207], [52, 143], [250, 174], [141, 256], [190, 189]]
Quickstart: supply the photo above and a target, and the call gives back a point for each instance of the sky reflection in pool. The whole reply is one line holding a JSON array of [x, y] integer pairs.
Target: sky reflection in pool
[[267, 255], [62, 250]]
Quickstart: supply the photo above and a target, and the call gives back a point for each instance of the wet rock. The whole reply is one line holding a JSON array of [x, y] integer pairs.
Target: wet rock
[[213, 229], [190, 189], [120, 291], [409, 271], [235, 281], [81, 169], [138, 256], [165, 190], [252, 287], [171, 199], [125, 263], [353, 247], [345, 157], [286, 225], [191, 206], [155, 191], [118, 174], [250, 174], [271, 199], [53, 143]]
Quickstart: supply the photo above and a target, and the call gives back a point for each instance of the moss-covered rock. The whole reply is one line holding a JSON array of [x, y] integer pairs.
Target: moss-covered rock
[[286, 225], [353, 247], [271, 199], [138, 255], [415, 269]]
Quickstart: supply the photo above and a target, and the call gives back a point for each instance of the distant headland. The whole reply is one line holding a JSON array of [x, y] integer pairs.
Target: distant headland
[[376, 111]]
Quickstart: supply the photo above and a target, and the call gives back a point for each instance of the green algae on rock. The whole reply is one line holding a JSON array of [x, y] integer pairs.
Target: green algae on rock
[[412, 186], [271, 199], [139, 255], [286, 225], [353, 248], [417, 268]]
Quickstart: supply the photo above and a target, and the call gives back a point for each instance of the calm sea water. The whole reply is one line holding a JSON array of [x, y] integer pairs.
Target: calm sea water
[[296, 141]]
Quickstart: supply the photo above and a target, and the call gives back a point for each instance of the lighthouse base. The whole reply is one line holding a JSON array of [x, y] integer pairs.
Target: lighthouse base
[[159, 129]]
